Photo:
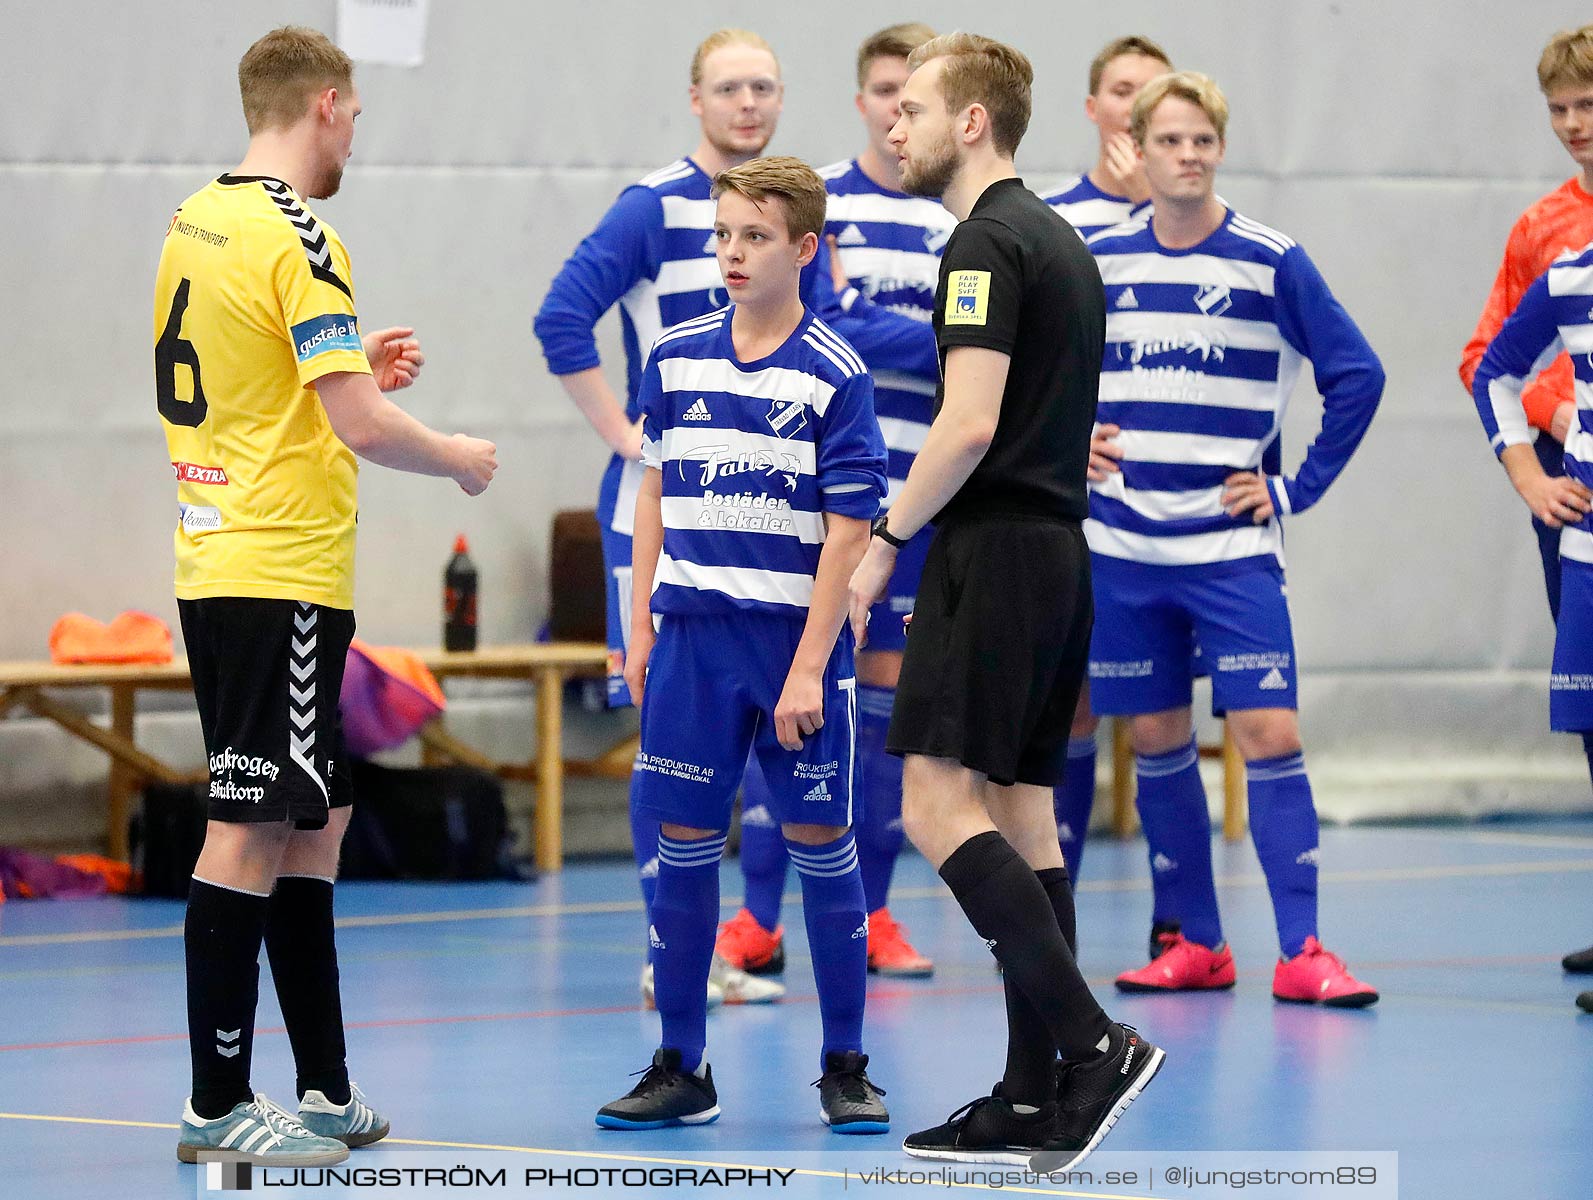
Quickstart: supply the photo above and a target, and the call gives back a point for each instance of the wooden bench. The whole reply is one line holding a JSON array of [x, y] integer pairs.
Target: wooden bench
[[545, 665]]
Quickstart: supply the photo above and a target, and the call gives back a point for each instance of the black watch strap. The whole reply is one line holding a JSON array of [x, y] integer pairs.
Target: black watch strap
[[882, 531]]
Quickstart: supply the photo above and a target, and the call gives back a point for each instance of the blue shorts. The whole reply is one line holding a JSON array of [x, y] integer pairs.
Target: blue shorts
[[712, 686], [617, 585], [1571, 680], [1146, 616], [886, 630]]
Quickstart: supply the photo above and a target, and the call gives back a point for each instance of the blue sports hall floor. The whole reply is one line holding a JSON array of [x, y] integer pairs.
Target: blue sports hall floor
[[490, 1021]]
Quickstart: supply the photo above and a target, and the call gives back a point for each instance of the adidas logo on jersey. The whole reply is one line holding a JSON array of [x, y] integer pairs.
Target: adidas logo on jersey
[[712, 245], [653, 940], [1127, 299], [1161, 864], [851, 236], [1273, 681], [819, 795], [697, 412]]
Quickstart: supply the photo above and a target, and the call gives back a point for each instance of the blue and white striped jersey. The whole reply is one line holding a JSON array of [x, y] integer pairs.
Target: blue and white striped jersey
[[753, 455], [653, 255], [1203, 347], [889, 244], [1555, 313], [1089, 210]]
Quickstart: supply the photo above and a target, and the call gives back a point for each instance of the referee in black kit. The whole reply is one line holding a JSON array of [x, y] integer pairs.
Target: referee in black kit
[[1000, 636]]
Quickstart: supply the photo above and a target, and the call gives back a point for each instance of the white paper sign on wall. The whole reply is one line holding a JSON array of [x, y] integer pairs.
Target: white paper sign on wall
[[383, 31]]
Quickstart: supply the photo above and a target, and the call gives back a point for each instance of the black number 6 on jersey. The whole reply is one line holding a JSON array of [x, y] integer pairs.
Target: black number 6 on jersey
[[171, 350]]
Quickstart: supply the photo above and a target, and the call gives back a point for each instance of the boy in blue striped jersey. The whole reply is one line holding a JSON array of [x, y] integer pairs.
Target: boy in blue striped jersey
[[1210, 316], [652, 255], [886, 256], [1554, 315], [1114, 189], [763, 470]]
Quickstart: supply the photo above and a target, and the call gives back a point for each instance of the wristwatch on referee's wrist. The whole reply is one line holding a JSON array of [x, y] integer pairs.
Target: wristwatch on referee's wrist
[[882, 531]]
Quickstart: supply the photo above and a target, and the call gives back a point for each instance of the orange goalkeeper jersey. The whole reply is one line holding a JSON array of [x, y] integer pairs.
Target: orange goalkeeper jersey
[[1560, 221]]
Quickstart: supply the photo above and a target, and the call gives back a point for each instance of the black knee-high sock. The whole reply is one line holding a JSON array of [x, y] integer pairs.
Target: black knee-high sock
[[221, 943], [1031, 1054], [303, 956], [1009, 908]]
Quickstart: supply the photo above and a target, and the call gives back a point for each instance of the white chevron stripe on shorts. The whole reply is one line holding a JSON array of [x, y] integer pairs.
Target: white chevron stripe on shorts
[[301, 700]]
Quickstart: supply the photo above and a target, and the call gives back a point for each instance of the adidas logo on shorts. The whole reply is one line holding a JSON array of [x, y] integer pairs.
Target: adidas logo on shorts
[[1273, 681], [697, 412], [820, 794]]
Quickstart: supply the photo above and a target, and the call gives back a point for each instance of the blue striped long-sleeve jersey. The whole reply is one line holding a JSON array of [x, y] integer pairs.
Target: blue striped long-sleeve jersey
[[889, 245], [1089, 209], [1555, 313], [1203, 347], [753, 455], [653, 255]]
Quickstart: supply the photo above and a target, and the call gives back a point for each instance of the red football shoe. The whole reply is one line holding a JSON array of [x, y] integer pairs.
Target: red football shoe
[[1315, 976], [1182, 966], [889, 951], [749, 947]]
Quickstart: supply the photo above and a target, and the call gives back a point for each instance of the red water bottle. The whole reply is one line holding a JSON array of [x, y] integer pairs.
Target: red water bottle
[[459, 599]]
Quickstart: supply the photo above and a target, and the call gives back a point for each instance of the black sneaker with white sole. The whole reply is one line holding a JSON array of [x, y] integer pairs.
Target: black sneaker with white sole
[[1093, 1095], [666, 1095], [986, 1130], [849, 1101]]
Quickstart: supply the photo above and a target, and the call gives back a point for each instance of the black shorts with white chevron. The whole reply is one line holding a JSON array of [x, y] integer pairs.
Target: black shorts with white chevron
[[267, 674]]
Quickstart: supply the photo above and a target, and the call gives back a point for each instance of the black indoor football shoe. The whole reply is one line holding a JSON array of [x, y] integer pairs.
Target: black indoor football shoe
[[986, 1130], [665, 1096]]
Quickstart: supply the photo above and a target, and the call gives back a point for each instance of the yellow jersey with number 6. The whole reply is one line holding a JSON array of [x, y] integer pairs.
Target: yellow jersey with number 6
[[253, 304]]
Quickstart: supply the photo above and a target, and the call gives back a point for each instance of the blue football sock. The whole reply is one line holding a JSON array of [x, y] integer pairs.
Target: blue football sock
[[832, 903], [1283, 827], [1172, 809], [644, 845], [1072, 800], [879, 825], [685, 913], [763, 856]]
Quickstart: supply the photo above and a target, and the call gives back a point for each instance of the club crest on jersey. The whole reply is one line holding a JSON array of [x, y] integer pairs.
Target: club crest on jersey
[[1213, 299], [788, 417], [935, 239]]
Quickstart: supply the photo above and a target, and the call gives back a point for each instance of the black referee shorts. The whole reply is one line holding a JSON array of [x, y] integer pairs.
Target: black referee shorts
[[267, 676], [997, 649]]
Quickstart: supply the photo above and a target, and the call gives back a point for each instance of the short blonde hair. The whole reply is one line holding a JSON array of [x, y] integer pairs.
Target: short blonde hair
[[785, 178], [280, 74], [727, 37], [1567, 60], [1200, 90], [980, 70], [894, 41], [1116, 48]]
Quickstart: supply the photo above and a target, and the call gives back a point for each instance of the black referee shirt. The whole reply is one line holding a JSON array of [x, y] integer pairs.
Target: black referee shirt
[[1016, 278]]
